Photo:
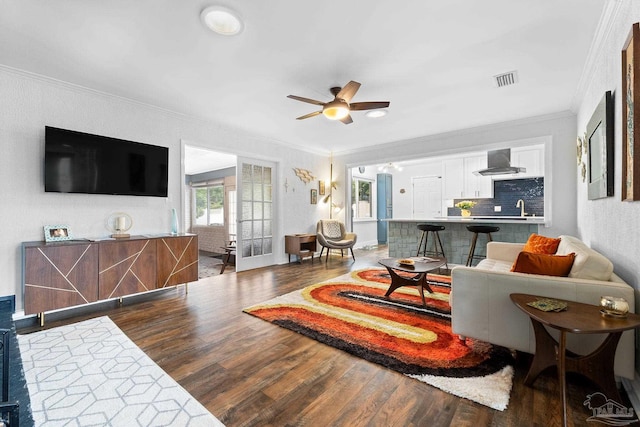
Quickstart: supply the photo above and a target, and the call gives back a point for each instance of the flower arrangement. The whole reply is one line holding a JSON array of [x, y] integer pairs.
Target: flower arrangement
[[465, 204]]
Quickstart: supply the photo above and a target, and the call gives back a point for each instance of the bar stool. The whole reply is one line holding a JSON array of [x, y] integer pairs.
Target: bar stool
[[477, 229], [437, 243]]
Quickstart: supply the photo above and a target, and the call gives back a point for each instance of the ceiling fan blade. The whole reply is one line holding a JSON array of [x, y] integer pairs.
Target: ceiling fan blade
[[308, 100], [306, 116], [348, 91], [359, 106], [347, 119]]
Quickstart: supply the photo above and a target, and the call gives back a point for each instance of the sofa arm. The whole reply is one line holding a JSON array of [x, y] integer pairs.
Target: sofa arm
[[504, 251]]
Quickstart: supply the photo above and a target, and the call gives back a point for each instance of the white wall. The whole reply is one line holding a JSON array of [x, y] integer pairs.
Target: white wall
[[560, 160], [403, 202], [31, 102], [610, 225]]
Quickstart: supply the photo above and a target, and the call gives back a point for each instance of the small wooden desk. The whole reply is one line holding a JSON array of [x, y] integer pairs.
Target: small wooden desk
[[578, 318], [301, 245]]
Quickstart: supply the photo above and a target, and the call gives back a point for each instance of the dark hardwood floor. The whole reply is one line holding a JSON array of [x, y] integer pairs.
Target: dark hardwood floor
[[248, 372]]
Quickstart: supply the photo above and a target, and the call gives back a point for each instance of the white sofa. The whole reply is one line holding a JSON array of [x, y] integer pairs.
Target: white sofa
[[481, 307]]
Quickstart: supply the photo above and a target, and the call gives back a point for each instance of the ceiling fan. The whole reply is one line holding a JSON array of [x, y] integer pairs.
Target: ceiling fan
[[340, 107]]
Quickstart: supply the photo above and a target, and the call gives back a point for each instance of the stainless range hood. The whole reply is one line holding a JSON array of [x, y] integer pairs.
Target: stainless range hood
[[499, 163]]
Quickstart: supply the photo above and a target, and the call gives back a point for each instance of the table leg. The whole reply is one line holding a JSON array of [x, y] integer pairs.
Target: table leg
[[419, 280], [562, 374], [545, 355]]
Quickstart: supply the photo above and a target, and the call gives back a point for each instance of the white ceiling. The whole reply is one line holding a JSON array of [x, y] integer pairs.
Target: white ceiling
[[433, 60]]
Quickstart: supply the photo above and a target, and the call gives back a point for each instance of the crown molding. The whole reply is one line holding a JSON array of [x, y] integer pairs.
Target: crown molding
[[610, 12]]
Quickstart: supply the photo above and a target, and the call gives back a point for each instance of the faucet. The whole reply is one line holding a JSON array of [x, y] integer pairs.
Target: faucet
[[520, 204]]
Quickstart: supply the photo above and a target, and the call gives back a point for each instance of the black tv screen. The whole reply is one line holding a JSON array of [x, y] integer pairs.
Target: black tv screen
[[76, 162]]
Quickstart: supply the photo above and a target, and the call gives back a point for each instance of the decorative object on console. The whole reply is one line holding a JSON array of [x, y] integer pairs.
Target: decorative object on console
[[600, 147], [118, 223], [630, 117], [56, 233], [174, 222]]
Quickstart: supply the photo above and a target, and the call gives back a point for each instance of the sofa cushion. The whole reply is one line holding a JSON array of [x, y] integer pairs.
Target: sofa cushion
[[544, 264], [537, 244], [588, 264]]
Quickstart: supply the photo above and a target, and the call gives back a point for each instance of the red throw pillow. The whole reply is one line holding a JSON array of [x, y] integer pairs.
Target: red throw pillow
[[548, 265], [541, 245]]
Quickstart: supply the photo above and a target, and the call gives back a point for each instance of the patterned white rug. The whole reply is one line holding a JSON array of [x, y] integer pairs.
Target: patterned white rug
[[91, 374]]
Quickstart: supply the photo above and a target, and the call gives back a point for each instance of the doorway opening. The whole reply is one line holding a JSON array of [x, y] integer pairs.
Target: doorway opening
[[210, 205]]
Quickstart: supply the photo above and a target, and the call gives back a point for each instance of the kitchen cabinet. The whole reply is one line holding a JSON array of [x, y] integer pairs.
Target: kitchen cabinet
[[460, 181], [531, 158], [476, 186]]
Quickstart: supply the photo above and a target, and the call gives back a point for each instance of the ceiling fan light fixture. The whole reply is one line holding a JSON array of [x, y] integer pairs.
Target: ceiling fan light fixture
[[374, 114], [222, 21], [336, 110]]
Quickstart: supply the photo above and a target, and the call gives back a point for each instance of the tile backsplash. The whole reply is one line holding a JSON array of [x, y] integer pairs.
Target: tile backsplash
[[506, 194]]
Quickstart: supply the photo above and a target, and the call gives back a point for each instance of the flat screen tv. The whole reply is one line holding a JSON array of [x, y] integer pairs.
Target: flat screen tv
[[76, 162]]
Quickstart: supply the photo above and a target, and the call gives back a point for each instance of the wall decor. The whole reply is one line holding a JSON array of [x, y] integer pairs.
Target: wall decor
[[56, 233], [630, 117], [305, 175], [600, 149], [321, 187], [314, 196]]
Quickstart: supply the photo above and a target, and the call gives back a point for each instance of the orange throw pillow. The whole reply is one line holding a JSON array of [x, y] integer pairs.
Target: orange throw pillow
[[541, 245], [548, 265]]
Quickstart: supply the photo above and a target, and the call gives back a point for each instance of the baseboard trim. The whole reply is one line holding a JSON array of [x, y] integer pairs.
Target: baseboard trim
[[632, 387]]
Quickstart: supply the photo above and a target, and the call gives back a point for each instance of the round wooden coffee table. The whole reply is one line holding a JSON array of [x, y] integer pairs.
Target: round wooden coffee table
[[421, 266]]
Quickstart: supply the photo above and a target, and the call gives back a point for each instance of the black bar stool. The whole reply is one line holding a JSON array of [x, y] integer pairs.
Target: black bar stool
[[477, 229], [437, 243]]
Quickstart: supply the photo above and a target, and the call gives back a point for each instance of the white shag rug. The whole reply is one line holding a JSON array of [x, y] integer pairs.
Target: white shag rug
[[91, 374]]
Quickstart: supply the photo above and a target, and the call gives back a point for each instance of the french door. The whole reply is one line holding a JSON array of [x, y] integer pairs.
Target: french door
[[256, 210]]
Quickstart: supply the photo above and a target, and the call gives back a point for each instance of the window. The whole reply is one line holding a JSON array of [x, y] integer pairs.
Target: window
[[361, 198], [209, 204]]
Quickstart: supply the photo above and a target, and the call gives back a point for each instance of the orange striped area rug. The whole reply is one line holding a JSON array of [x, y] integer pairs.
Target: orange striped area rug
[[352, 314]]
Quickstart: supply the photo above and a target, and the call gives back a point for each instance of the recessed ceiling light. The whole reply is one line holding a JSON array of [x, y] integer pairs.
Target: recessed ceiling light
[[222, 20], [376, 113]]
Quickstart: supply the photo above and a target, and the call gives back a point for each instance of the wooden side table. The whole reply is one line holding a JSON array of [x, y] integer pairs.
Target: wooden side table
[[578, 318], [301, 245]]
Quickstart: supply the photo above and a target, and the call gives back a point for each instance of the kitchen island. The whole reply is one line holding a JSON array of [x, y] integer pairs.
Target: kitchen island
[[456, 239]]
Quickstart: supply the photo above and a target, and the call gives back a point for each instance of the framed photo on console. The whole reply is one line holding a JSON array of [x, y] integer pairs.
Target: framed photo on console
[[56, 233], [600, 149], [630, 117]]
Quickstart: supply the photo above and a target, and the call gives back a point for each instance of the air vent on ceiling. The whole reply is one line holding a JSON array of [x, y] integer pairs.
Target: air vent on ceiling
[[506, 79]]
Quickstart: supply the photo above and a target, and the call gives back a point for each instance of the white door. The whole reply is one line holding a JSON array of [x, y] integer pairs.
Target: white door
[[427, 197], [256, 209]]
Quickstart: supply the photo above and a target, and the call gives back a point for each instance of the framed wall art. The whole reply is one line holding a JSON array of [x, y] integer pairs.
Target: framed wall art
[[314, 196], [600, 149], [56, 233], [321, 187], [630, 117]]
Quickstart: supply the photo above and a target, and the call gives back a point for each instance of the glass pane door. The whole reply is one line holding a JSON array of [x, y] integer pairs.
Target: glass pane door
[[255, 237]]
